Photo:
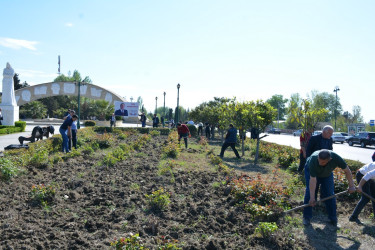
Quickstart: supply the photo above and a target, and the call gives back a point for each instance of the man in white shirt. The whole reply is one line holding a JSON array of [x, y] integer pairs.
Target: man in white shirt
[[366, 183]]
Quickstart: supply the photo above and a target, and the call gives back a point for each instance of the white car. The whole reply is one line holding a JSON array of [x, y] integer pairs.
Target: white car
[[318, 132], [297, 132], [338, 137]]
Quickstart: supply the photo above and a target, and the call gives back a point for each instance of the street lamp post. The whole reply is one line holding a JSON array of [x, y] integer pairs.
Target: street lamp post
[[79, 104], [164, 105], [156, 105], [178, 99], [336, 90], [164, 109]]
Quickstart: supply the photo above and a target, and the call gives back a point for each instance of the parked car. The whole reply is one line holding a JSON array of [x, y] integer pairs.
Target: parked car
[[346, 135], [297, 132], [318, 132], [362, 138], [338, 137], [274, 131]]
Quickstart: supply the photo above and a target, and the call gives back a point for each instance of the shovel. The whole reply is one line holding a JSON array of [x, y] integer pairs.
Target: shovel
[[321, 200]]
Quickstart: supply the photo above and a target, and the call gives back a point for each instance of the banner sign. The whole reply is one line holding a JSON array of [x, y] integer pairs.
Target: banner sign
[[129, 109], [372, 122]]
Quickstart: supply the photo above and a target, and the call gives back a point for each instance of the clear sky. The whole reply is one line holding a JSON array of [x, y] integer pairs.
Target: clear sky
[[248, 49]]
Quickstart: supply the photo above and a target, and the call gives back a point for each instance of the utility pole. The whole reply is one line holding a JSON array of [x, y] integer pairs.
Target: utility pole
[[336, 90], [178, 99]]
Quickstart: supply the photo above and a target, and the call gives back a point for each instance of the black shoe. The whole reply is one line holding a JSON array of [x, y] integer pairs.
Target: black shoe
[[306, 222], [354, 219], [335, 224]]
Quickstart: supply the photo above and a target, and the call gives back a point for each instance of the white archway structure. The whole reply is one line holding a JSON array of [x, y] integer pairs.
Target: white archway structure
[[49, 89]]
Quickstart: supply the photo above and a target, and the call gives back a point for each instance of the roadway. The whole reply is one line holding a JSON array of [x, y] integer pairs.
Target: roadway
[[344, 150]]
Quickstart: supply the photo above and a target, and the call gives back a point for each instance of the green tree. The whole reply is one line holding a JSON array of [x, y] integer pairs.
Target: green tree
[[304, 114], [326, 101], [34, 110], [260, 116], [278, 102], [17, 82]]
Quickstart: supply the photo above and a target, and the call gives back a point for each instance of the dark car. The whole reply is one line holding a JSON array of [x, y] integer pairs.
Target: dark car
[[274, 131], [362, 138]]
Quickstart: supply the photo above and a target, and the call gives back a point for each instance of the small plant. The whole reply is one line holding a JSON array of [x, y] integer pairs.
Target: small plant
[[158, 200], [265, 229], [7, 169], [131, 242], [42, 194], [39, 157], [154, 133], [109, 160], [167, 244], [87, 150]]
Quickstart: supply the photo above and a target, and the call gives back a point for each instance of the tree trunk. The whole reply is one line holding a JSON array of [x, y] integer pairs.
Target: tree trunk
[[257, 151]]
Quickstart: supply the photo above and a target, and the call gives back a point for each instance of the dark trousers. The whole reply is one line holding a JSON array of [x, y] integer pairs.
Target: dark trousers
[[368, 188], [208, 134], [185, 136], [229, 144], [326, 189], [302, 162], [200, 130], [154, 125], [73, 140]]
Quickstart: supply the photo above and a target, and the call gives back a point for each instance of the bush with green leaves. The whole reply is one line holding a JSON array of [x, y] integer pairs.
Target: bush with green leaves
[[154, 133], [41, 194], [129, 243], [20, 124], [265, 229], [8, 169], [193, 130], [158, 200], [89, 123], [39, 156]]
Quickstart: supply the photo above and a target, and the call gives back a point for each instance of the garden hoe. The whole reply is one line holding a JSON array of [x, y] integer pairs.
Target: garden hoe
[[321, 200]]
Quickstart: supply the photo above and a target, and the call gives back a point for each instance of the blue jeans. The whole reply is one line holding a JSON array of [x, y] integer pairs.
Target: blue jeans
[[326, 189], [65, 143], [368, 188]]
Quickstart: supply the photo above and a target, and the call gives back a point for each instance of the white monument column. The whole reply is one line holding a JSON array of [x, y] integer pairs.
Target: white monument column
[[9, 108]]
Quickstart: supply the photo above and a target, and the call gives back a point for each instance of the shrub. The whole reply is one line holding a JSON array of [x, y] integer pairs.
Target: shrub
[[7, 169], [193, 129], [42, 193], [171, 150], [87, 150], [39, 157], [154, 133], [158, 200], [20, 124], [266, 228], [131, 242], [109, 160], [89, 123]]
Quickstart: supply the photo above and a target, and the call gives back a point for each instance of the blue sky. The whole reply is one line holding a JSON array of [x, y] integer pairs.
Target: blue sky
[[248, 49]]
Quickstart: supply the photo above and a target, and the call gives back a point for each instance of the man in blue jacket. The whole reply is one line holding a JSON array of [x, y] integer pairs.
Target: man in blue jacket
[[322, 141], [230, 141]]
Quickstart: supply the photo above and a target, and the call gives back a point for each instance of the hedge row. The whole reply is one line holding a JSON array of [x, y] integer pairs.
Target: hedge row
[[163, 131], [19, 127]]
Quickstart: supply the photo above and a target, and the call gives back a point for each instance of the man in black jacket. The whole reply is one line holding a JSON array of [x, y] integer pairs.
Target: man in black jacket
[[322, 141]]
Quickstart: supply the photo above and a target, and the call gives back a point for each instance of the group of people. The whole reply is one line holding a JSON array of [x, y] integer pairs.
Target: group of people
[[318, 161], [68, 131]]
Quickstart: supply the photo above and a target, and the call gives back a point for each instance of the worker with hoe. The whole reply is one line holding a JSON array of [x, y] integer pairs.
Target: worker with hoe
[[318, 172]]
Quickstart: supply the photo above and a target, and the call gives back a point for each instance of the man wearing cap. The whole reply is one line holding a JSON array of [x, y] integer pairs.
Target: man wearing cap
[[318, 172]]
